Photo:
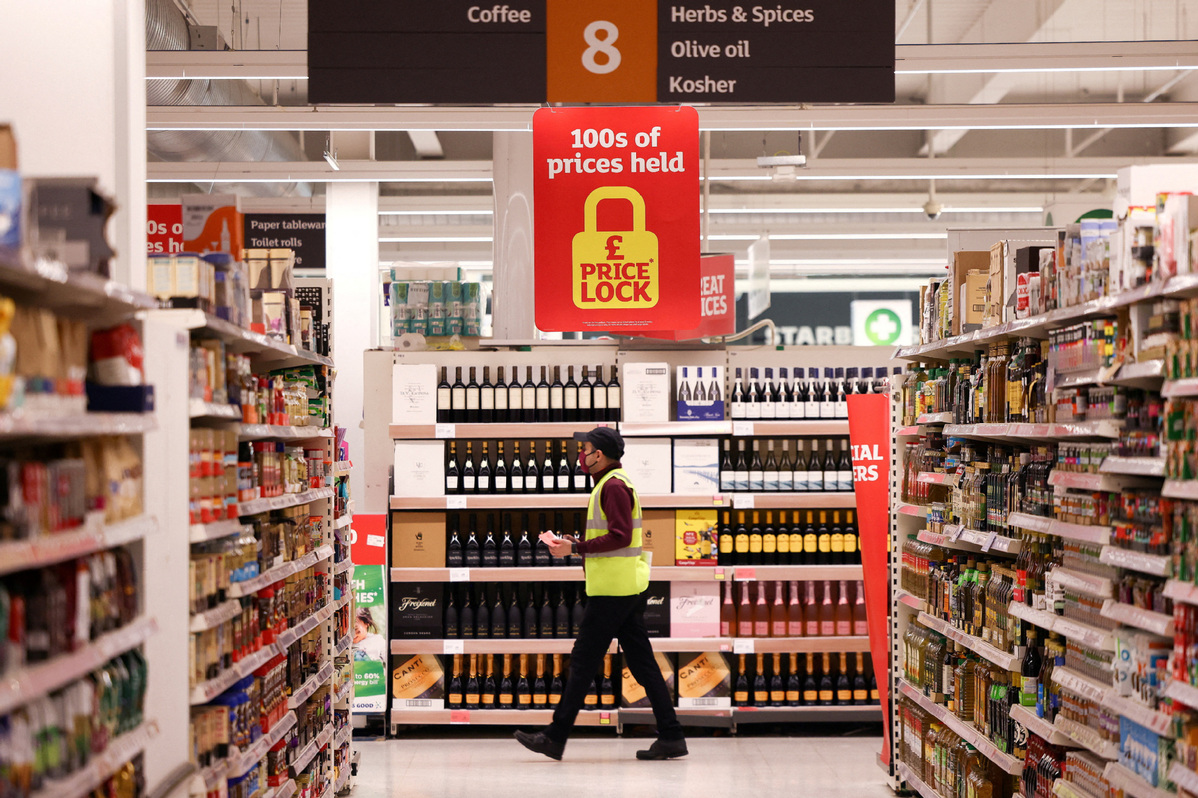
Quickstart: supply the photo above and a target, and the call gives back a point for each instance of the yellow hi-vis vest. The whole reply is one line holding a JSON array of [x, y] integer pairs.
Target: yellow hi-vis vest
[[623, 572]]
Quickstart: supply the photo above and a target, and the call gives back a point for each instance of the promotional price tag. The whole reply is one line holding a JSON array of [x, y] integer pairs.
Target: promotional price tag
[[743, 645], [454, 647], [457, 716], [745, 574], [604, 718], [718, 574], [459, 574], [455, 502], [742, 429], [993, 536], [954, 532], [445, 431], [743, 501]]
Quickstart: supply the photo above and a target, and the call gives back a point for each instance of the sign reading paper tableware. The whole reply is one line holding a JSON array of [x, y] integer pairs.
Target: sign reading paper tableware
[[302, 232], [616, 219], [601, 51]]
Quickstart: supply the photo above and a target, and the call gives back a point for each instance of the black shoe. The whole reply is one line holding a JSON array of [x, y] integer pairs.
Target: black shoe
[[664, 749], [543, 745]]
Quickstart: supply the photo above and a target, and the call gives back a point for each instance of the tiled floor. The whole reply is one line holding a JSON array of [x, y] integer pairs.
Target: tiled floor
[[449, 765]]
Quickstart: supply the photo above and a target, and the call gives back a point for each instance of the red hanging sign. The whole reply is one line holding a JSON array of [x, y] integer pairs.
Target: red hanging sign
[[164, 228], [717, 300], [869, 434], [616, 219]]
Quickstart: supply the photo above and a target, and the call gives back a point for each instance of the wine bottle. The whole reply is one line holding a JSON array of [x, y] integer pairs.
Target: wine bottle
[[473, 390], [744, 613], [798, 396], [844, 613], [545, 616], [542, 558], [737, 409], [515, 398], [523, 688], [741, 469], [453, 626], [860, 623], [810, 541], [837, 540], [777, 685], [683, 394], [727, 477], [557, 401], [507, 691], [555, 686], [761, 613], [778, 616], [756, 469], [769, 541], [860, 685], [532, 474], [469, 478], [507, 547], [559, 527], [728, 613], [514, 626], [844, 470], [770, 478], [490, 547], [794, 613], [458, 398], [548, 471], [599, 397], [844, 688], [543, 398], [607, 693], [782, 534], [467, 622], [782, 398], [580, 533], [824, 538], [515, 474], [786, 473], [829, 469], [501, 409], [524, 557], [827, 693], [578, 476], [796, 541], [827, 612], [613, 396], [484, 471], [540, 690], [801, 482], [852, 550], [811, 612], [768, 405], [561, 616], [498, 615], [473, 687], [528, 624], [565, 475], [454, 556], [1029, 670], [453, 693], [486, 398], [585, 397], [842, 404], [741, 541], [727, 551], [473, 550], [499, 479], [753, 398], [490, 688], [576, 613], [715, 393], [828, 397], [810, 685], [740, 691], [794, 683], [453, 477], [444, 398], [755, 540], [761, 691], [528, 398]]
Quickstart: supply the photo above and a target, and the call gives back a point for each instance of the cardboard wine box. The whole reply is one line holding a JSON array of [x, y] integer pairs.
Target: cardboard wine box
[[417, 682], [694, 609], [420, 469], [646, 389], [696, 540], [649, 462], [702, 397], [657, 610], [417, 539], [633, 695], [696, 466], [704, 681], [417, 610]]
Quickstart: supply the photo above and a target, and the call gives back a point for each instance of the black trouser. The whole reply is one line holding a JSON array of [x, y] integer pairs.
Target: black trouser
[[622, 618]]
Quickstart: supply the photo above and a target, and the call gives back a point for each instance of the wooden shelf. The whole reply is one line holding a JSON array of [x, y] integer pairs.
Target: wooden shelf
[[966, 731]]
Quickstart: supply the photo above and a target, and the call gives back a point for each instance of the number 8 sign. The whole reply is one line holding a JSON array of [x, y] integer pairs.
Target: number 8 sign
[[602, 51]]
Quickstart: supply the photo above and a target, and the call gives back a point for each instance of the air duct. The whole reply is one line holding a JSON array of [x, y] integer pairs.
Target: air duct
[[167, 29]]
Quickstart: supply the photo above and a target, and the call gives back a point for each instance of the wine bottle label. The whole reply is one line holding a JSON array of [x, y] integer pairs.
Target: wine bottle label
[[825, 544], [792, 696], [827, 628], [500, 482], [850, 544], [796, 543], [459, 397], [484, 482], [487, 400], [468, 482], [782, 410], [754, 544], [779, 628], [525, 699], [830, 481], [472, 698], [756, 481], [584, 399], [844, 480], [599, 398], [515, 399], [528, 398], [444, 398], [786, 481], [472, 398], [419, 676], [837, 544], [501, 399], [810, 696], [592, 700], [769, 481], [769, 544], [761, 696], [570, 399], [860, 695], [613, 397], [455, 699], [768, 411], [542, 398], [540, 698], [580, 482], [727, 483], [842, 409], [810, 544], [844, 696], [555, 397], [860, 628], [741, 696], [725, 543], [608, 700], [563, 482], [844, 628], [738, 409], [451, 484], [505, 699], [798, 409], [742, 480], [873, 694], [794, 629], [827, 410], [825, 695], [517, 483], [752, 409], [488, 699]]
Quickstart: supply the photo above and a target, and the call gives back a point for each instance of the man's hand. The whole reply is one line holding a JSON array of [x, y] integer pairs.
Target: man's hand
[[562, 547]]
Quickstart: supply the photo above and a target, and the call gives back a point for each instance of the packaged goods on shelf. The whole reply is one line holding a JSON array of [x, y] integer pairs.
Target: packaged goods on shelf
[[812, 537], [749, 471], [497, 610], [806, 609], [775, 682], [590, 399], [701, 397], [704, 680], [694, 609], [435, 307], [697, 537], [805, 396], [632, 695], [10, 193]]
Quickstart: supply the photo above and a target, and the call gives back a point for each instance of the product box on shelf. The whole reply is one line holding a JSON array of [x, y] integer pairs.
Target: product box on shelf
[[694, 609], [420, 469], [970, 269], [696, 537], [700, 393], [10, 191], [995, 296], [1027, 279], [696, 466], [212, 223], [417, 682], [417, 609], [632, 694], [704, 681], [417, 539], [646, 393], [648, 462], [657, 534], [657, 609], [1144, 752], [413, 393]]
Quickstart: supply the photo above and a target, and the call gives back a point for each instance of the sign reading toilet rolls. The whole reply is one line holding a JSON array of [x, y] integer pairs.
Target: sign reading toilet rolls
[[616, 219]]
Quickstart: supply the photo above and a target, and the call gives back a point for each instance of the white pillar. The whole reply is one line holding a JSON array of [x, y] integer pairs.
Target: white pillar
[[512, 279], [352, 261]]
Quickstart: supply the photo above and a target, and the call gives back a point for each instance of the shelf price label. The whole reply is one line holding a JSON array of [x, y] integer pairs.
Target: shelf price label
[[743, 645], [604, 718], [445, 431], [454, 647], [459, 716], [455, 502], [993, 536], [743, 501], [742, 429], [459, 574]]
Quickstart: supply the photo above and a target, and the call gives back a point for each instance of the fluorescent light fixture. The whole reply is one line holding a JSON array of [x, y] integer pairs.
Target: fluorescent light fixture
[[454, 212], [898, 70], [833, 237], [970, 176], [332, 160], [829, 211], [434, 239]]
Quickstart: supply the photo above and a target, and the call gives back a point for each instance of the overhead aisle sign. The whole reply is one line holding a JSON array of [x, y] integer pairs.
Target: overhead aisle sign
[[603, 51], [616, 219]]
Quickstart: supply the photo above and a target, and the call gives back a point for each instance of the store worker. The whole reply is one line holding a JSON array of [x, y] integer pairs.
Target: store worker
[[617, 577]]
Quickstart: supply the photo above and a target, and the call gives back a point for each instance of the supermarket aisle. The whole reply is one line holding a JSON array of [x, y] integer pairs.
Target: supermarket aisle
[[828, 767]]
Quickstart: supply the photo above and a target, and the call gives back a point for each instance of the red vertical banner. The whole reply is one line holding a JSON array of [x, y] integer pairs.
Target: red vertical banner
[[368, 541], [869, 434]]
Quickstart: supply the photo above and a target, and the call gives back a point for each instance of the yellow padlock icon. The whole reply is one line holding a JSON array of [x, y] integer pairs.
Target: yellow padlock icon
[[615, 269]]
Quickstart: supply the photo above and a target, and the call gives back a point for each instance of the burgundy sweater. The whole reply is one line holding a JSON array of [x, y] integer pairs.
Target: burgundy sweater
[[616, 501]]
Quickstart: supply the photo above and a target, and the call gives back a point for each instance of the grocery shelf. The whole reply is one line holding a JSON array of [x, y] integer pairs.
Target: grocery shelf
[[1180, 691], [908, 431], [449, 431], [84, 781], [1156, 622], [487, 645], [935, 418], [1075, 682], [563, 573], [1080, 582], [1038, 725], [1008, 662], [843, 714], [914, 510], [210, 619], [1133, 466], [908, 600], [201, 533], [1104, 480], [1181, 591], [241, 761], [1042, 618], [1145, 374], [56, 547], [276, 574], [1152, 564], [1100, 535], [1084, 633], [19, 425], [343, 521], [343, 737], [1159, 723], [288, 637], [915, 782], [956, 536], [210, 778], [255, 432], [1065, 431], [938, 478], [285, 790], [658, 573], [343, 645], [81, 295], [311, 686], [1132, 785], [342, 602], [341, 566], [1180, 489], [783, 427], [282, 502], [31, 682], [964, 730], [737, 645], [831, 500], [1179, 388], [515, 501], [519, 501], [342, 467], [1088, 738], [199, 409], [1183, 777], [790, 573], [275, 354], [668, 429], [346, 692], [311, 749], [1067, 789], [496, 717], [342, 778], [1032, 523]]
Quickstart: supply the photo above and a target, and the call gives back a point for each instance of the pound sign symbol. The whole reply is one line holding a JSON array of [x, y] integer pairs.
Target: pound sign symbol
[[613, 247]]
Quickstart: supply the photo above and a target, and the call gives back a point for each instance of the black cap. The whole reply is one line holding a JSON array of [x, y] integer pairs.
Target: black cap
[[605, 439]]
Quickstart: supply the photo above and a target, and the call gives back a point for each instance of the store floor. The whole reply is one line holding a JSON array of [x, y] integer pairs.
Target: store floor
[[843, 766]]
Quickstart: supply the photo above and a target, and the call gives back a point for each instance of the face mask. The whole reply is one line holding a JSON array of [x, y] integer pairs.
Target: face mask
[[582, 462]]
